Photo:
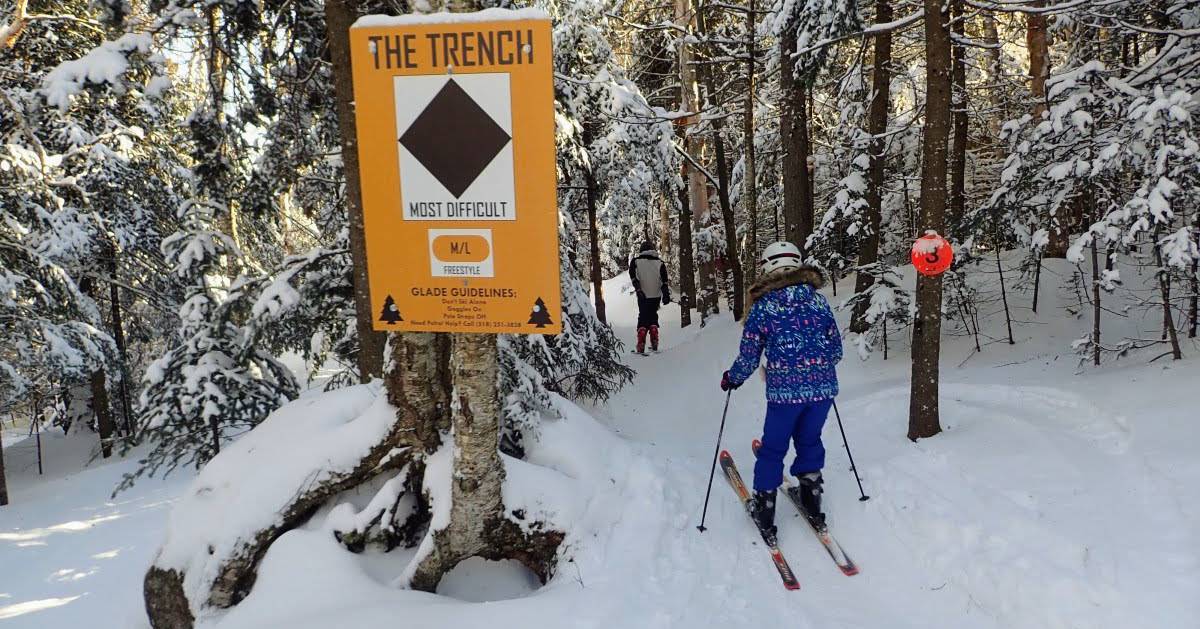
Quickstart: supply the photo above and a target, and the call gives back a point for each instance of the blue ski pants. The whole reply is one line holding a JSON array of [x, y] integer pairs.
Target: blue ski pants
[[799, 423]]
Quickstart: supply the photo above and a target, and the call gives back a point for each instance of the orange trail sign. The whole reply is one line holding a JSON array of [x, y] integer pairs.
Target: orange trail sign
[[459, 239]]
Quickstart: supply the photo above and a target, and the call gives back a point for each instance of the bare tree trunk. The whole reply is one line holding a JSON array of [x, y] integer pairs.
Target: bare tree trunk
[[1039, 57], [103, 410], [3, 478], [118, 326], [1164, 287], [750, 175], [995, 73], [958, 115], [877, 120], [339, 15], [1095, 304], [923, 417], [732, 255], [1039, 69], [666, 239], [597, 273], [706, 298], [687, 270], [1037, 281], [217, 63], [1195, 281], [687, 267], [1004, 296], [793, 122], [98, 383]]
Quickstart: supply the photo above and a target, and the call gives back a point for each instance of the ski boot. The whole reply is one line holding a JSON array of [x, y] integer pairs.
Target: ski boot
[[762, 511], [809, 491], [654, 338], [641, 341]]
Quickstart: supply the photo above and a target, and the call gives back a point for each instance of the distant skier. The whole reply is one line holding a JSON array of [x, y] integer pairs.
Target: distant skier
[[794, 325], [649, 276]]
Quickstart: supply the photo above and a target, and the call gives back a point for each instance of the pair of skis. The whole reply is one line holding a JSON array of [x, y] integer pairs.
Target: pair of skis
[[839, 557]]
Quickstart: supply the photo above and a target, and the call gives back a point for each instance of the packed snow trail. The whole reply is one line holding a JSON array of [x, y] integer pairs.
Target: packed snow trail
[[69, 555], [1034, 508], [1051, 500]]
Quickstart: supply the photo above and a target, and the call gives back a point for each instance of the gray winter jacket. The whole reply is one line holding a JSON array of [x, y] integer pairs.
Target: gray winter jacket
[[649, 274]]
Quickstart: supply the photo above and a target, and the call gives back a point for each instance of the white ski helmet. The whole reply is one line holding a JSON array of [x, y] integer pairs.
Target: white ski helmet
[[778, 256]]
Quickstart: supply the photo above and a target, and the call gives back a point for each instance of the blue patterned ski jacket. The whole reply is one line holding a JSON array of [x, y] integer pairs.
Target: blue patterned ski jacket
[[792, 323]]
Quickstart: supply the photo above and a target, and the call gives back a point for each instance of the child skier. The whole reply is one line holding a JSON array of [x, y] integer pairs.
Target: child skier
[[649, 276], [794, 325]]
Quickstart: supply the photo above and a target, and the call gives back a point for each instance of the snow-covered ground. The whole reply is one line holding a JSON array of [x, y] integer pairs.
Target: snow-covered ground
[[1056, 497]]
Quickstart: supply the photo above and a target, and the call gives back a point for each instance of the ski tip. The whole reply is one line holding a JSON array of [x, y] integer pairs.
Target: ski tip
[[849, 570], [726, 455], [792, 586], [756, 444]]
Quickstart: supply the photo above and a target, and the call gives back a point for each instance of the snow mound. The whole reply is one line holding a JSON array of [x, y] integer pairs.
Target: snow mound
[[578, 477], [248, 485]]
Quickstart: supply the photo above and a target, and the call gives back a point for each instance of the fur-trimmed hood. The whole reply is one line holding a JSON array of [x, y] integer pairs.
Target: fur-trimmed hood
[[804, 274]]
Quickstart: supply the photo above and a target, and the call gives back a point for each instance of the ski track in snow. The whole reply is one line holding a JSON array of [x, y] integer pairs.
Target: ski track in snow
[[1038, 507]]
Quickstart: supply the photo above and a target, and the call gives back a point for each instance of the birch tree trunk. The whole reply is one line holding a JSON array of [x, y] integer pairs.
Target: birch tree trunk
[[877, 119], [479, 525], [339, 15], [923, 418]]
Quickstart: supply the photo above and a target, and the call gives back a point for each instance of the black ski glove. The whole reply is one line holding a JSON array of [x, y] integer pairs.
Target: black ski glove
[[666, 298]]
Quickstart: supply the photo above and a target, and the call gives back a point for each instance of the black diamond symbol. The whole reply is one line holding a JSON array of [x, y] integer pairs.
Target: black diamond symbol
[[454, 138]]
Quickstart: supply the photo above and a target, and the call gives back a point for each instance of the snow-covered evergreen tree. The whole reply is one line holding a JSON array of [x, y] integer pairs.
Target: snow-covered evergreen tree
[[86, 165], [215, 381]]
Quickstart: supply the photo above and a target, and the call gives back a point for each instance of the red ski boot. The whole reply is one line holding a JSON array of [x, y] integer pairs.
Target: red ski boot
[[654, 338], [641, 341]]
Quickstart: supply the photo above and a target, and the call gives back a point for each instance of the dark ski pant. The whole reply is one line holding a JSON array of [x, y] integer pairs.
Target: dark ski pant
[[800, 424], [647, 312]]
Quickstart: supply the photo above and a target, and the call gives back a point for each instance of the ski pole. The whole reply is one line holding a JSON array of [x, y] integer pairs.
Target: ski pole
[[716, 453], [853, 467]]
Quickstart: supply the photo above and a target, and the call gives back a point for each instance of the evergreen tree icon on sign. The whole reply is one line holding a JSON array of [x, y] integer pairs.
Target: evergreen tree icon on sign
[[540, 316], [391, 312]]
